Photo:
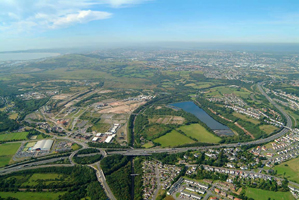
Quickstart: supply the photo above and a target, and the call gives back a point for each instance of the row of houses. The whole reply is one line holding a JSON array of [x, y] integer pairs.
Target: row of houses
[[241, 174]]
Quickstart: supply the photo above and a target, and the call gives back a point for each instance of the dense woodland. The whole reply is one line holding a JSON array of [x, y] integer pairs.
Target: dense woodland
[[138, 182], [6, 123], [113, 163], [120, 182], [117, 169], [28, 106], [87, 159], [88, 151]]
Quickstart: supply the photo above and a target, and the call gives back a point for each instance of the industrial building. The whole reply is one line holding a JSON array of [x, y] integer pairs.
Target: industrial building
[[109, 138], [42, 145]]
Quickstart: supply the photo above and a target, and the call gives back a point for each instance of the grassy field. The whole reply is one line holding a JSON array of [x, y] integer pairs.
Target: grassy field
[[166, 119], [32, 195], [75, 147], [268, 128], [173, 139], [200, 133], [199, 85], [7, 151], [13, 136], [46, 178], [265, 195], [148, 145], [289, 169], [101, 127], [245, 118], [154, 129], [13, 116]]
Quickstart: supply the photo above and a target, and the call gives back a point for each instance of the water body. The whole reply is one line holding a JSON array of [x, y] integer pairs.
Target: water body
[[25, 56], [217, 127]]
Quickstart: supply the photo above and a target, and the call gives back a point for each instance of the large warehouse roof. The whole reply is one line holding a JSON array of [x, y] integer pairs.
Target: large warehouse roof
[[44, 145]]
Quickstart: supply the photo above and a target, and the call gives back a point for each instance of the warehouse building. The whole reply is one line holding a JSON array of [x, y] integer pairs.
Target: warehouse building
[[43, 145]]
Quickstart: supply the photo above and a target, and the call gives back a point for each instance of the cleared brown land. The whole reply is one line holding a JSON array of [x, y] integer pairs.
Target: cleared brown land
[[122, 107], [167, 120]]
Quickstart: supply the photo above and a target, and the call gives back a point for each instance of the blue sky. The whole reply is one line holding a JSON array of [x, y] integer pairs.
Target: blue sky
[[30, 24]]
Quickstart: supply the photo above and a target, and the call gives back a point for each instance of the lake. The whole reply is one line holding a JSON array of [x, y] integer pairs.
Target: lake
[[217, 127], [25, 56]]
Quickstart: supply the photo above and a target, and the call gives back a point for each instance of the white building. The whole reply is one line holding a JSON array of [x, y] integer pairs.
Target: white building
[[42, 145], [109, 138]]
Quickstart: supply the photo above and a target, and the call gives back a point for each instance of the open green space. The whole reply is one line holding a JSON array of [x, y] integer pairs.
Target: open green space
[[101, 127], [198, 132], [199, 85], [155, 129], [75, 147], [268, 128], [148, 145], [245, 118], [259, 194], [13, 136], [289, 169], [32, 195], [46, 178], [7, 151], [173, 139], [13, 116]]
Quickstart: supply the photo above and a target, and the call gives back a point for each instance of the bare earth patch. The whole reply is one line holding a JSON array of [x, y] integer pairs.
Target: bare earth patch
[[61, 96], [121, 107]]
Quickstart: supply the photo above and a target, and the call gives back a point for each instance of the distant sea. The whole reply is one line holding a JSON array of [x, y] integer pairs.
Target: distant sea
[[25, 56]]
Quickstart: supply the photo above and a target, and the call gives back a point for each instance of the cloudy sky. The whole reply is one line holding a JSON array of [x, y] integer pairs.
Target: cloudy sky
[[31, 24]]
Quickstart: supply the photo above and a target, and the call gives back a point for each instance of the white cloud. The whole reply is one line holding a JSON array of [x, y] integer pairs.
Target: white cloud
[[121, 3], [83, 16], [32, 15]]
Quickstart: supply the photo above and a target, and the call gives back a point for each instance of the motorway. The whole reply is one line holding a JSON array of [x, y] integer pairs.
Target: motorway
[[102, 179]]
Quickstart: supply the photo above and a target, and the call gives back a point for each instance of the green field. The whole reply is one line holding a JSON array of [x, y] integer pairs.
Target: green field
[[45, 178], [153, 130], [13, 136], [148, 145], [268, 128], [32, 195], [173, 139], [75, 147], [245, 118], [289, 169], [7, 151], [13, 116], [101, 127], [198, 132], [241, 92], [258, 194]]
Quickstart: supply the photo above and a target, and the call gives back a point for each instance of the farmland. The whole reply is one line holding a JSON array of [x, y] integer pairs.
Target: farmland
[[200, 133], [265, 195], [13, 136], [173, 139], [154, 129], [254, 121], [289, 169], [46, 178], [7, 151], [268, 128], [32, 195]]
